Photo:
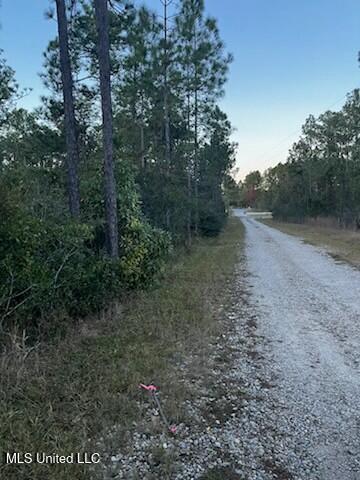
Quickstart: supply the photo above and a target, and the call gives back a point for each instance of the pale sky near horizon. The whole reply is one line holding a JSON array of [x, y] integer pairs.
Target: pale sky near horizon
[[292, 58]]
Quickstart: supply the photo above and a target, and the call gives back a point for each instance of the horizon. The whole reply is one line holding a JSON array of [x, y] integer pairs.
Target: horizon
[[290, 61]]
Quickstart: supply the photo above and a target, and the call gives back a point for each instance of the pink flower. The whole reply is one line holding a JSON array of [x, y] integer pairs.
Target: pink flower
[[173, 429], [149, 388]]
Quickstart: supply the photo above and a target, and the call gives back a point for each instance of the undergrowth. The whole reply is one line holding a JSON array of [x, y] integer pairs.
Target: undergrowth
[[62, 398]]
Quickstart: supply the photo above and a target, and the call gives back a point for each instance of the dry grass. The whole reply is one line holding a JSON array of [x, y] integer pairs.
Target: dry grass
[[61, 398], [342, 244]]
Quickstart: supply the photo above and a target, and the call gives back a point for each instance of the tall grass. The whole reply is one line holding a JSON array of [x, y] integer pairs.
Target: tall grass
[[65, 397]]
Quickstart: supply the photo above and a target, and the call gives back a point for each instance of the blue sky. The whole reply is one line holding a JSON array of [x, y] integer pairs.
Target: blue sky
[[292, 58]]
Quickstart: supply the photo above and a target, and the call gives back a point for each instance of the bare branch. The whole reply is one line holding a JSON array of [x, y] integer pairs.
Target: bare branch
[[8, 300], [10, 293], [66, 258], [15, 308], [78, 80]]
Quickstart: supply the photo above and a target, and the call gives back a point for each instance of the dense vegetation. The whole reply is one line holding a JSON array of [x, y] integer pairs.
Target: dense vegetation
[[321, 177], [160, 151]]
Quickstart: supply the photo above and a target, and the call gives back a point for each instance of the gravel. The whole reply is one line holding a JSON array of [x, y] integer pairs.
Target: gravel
[[280, 396], [309, 312]]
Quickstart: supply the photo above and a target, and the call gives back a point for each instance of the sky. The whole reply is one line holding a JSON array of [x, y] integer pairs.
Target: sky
[[292, 58]]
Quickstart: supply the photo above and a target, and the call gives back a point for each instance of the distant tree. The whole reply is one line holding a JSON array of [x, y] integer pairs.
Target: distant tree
[[166, 60], [136, 87], [233, 191], [216, 158], [251, 187], [321, 176], [8, 88], [204, 65]]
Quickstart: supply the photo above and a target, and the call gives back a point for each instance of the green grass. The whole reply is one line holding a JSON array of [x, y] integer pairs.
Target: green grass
[[62, 398], [344, 245]]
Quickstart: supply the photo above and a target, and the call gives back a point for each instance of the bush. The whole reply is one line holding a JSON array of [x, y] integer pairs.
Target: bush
[[143, 249], [49, 269]]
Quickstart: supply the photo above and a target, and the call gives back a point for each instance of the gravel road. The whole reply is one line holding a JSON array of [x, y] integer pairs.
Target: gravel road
[[279, 393], [308, 314]]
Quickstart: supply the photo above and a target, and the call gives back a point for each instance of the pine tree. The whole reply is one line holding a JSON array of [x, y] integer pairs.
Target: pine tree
[[204, 64], [72, 153], [102, 24], [166, 60]]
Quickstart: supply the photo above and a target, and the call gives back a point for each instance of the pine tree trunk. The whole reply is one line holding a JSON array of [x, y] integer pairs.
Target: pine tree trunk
[[166, 93], [142, 135], [189, 193], [167, 129], [196, 145], [166, 3], [142, 143], [188, 223], [102, 24], [196, 165], [72, 153]]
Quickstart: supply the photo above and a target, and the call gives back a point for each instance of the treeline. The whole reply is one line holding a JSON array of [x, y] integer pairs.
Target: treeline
[[125, 157], [321, 177]]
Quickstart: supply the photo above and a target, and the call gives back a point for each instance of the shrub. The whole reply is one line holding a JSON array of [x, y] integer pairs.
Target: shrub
[[49, 269]]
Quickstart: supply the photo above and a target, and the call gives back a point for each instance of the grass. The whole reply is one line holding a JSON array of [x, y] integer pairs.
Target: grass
[[344, 245], [67, 397]]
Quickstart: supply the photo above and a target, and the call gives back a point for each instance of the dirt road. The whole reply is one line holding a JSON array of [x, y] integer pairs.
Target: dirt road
[[308, 314]]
